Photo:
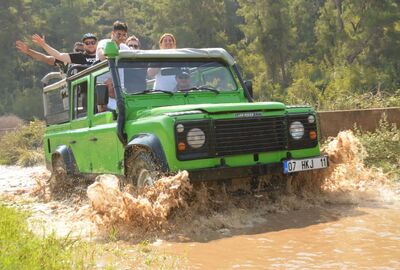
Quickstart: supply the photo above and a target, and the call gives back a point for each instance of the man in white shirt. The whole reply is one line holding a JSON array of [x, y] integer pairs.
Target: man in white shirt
[[119, 35]]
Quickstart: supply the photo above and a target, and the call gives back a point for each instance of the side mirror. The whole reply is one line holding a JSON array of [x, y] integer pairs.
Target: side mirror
[[249, 86], [101, 94]]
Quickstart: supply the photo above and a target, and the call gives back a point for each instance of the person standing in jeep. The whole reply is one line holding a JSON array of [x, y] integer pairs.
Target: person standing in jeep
[[50, 60], [119, 35], [86, 58]]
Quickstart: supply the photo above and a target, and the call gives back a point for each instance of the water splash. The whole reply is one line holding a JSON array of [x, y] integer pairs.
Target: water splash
[[173, 201], [148, 211]]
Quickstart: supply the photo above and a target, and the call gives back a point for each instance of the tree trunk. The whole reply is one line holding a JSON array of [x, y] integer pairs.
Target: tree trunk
[[338, 4], [359, 49], [284, 82]]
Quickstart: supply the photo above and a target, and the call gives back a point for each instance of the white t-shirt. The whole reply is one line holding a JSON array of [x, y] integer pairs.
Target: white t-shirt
[[112, 103], [167, 82], [102, 44]]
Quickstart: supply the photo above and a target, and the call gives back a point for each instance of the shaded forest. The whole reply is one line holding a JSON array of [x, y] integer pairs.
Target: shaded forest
[[332, 54]]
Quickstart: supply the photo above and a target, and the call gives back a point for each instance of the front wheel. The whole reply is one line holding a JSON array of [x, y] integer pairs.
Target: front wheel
[[58, 179], [141, 169]]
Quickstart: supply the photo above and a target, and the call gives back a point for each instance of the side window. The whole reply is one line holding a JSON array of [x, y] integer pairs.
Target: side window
[[56, 105], [80, 100], [101, 79]]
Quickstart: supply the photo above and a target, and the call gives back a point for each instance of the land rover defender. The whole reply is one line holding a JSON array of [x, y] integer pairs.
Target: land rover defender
[[211, 127]]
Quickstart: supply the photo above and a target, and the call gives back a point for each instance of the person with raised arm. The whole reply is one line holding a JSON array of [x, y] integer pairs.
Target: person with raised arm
[[50, 60], [119, 34], [86, 58]]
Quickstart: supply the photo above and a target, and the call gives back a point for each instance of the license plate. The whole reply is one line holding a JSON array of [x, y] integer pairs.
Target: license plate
[[298, 165]]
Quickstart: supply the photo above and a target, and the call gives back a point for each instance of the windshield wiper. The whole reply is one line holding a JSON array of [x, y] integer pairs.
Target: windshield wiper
[[155, 90], [200, 88]]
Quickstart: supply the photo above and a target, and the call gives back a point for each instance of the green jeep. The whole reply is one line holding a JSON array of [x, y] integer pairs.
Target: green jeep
[[210, 126]]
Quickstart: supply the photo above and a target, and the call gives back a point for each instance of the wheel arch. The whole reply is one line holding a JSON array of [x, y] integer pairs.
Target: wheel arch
[[151, 143], [67, 155]]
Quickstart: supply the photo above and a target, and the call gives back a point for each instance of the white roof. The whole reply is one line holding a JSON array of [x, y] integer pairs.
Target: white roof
[[178, 53]]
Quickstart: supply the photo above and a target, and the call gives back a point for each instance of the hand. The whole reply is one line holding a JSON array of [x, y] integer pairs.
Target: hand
[[22, 47], [38, 40]]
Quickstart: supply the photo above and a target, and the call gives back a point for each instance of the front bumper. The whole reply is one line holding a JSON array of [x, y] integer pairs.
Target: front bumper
[[224, 172]]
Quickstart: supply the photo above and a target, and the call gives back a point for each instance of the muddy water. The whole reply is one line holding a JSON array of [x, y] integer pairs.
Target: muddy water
[[345, 217], [332, 237], [349, 220]]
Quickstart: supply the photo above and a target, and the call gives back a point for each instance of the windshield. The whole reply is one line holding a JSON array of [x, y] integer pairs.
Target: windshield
[[178, 76]]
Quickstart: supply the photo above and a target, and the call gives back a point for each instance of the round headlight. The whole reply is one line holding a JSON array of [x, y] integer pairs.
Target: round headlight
[[311, 119], [296, 130], [180, 128], [196, 138]]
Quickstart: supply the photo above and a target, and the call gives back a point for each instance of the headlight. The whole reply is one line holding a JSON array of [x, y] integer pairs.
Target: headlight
[[180, 128], [311, 119], [296, 130], [196, 138]]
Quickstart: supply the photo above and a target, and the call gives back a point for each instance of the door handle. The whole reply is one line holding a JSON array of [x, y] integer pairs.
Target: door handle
[[93, 139]]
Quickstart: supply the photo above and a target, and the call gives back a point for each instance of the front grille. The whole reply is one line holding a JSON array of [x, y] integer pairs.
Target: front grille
[[250, 135], [226, 137]]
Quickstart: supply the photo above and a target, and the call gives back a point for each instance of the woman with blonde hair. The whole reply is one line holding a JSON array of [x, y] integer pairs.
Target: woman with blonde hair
[[164, 82], [167, 41]]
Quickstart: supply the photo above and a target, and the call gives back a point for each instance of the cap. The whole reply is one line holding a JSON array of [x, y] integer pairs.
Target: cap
[[183, 73], [89, 35]]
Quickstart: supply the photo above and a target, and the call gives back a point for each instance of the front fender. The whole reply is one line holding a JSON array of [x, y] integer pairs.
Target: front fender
[[153, 144]]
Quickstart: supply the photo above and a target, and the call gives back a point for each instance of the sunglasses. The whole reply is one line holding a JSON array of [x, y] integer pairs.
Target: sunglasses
[[183, 77], [134, 46], [90, 42], [121, 35]]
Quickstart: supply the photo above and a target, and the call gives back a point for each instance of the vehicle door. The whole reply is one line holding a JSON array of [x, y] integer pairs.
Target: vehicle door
[[107, 150], [79, 135]]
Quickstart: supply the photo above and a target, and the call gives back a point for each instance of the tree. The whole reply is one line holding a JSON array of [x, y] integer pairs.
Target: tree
[[267, 26], [351, 33], [195, 23]]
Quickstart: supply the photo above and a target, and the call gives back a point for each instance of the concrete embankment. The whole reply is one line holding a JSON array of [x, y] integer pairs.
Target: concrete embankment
[[331, 122]]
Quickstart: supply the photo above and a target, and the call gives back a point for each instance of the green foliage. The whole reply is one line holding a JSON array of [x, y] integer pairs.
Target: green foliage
[[267, 29], [349, 100], [383, 148], [23, 146], [29, 104], [346, 48], [303, 91], [21, 249], [200, 23], [304, 88]]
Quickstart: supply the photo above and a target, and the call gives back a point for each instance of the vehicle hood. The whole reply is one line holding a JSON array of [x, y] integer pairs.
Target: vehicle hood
[[216, 108]]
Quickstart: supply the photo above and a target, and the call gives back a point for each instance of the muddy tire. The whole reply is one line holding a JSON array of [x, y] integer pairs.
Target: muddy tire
[[58, 179], [141, 169]]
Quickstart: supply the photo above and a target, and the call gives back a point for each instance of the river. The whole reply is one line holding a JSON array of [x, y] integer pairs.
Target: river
[[365, 236], [346, 217]]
